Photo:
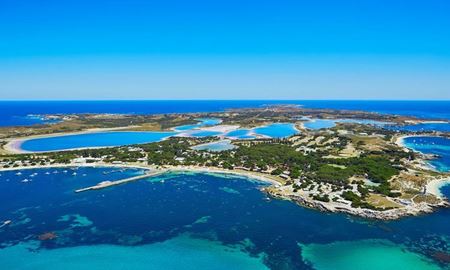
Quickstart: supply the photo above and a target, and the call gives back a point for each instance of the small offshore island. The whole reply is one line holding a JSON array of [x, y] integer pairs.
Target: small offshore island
[[331, 160]]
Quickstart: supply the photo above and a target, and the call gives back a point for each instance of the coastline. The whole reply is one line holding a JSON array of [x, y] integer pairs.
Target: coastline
[[277, 190], [421, 163], [400, 140], [434, 187], [254, 175], [13, 144]]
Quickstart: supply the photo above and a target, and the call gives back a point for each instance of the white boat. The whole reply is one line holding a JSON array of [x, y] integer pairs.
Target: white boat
[[5, 223], [19, 173], [25, 180]]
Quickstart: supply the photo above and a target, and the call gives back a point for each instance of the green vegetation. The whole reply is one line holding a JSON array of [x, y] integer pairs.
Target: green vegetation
[[312, 162]]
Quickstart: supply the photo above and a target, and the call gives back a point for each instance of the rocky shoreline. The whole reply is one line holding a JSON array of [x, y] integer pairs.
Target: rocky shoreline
[[391, 214], [275, 191]]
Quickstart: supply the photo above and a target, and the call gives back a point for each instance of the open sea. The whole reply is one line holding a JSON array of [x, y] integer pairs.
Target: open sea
[[24, 112], [199, 220], [194, 221]]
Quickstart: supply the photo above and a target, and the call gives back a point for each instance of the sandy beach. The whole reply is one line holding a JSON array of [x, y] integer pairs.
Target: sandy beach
[[415, 122], [254, 175], [400, 140], [434, 187], [220, 128], [414, 209]]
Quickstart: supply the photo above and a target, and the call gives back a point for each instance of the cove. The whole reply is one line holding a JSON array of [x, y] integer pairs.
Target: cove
[[159, 217], [432, 145]]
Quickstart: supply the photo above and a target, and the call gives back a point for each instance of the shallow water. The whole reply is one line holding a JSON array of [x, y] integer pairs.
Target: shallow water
[[175, 253], [95, 139], [277, 130], [319, 124], [240, 134], [204, 133], [152, 223], [119, 138], [202, 122], [329, 123], [215, 146], [364, 254]]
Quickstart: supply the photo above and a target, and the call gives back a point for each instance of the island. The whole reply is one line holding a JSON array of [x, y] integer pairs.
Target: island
[[356, 163]]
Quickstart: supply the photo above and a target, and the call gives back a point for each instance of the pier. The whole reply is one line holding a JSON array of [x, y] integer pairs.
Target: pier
[[106, 184]]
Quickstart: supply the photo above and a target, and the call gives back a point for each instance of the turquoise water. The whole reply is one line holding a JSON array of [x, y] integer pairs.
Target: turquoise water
[[176, 253], [319, 124], [277, 130], [204, 133], [240, 134], [194, 221], [365, 254], [216, 146], [105, 139], [363, 122], [203, 122], [119, 138], [432, 145], [95, 139], [191, 130], [209, 121], [108, 139], [328, 123]]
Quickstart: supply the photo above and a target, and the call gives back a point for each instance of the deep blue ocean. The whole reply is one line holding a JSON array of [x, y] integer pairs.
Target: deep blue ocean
[[17, 112], [201, 221], [194, 221]]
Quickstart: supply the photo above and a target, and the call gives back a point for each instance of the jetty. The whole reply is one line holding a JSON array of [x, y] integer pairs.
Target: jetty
[[106, 184]]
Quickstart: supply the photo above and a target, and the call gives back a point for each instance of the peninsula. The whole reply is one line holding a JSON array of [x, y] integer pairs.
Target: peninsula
[[357, 164]]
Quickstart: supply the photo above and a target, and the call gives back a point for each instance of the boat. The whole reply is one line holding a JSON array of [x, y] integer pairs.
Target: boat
[[19, 173], [5, 223]]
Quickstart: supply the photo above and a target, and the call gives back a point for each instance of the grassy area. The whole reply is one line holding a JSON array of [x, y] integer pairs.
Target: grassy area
[[380, 201]]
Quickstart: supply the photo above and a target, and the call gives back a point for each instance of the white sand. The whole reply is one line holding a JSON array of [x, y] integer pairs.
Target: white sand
[[254, 175], [220, 128], [434, 187]]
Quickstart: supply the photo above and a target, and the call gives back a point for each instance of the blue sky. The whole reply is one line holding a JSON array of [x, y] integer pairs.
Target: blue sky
[[225, 49]]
